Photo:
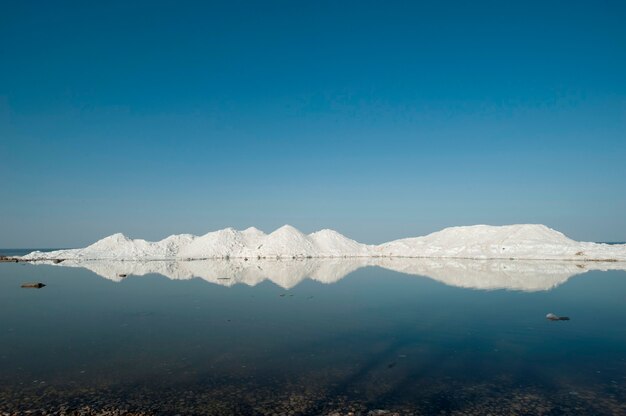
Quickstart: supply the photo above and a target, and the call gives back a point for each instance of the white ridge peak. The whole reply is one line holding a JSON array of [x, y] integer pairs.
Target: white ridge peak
[[327, 231], [287, 229], [115, 237], [253, 230]]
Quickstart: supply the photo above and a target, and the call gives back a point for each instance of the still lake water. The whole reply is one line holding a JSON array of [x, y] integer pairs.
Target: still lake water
[[348, 339]]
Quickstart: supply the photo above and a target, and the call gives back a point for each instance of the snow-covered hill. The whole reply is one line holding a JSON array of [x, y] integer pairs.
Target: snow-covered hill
[[522, 241]]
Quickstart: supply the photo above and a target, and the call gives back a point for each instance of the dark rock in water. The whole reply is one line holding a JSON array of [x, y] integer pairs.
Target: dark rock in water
[[33, 285], [553, 317], [5, 259], [391, 365]]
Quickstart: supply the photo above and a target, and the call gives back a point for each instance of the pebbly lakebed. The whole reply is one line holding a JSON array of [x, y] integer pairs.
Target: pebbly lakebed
[[316, 336]]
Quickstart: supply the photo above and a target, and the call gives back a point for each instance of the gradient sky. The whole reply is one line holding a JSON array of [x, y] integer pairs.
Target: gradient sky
[[378, 119]]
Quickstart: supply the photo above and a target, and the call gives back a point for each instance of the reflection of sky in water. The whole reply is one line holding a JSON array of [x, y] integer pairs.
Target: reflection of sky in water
[[374, 334]]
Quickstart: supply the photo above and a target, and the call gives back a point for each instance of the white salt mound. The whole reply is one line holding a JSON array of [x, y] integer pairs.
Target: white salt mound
[[521, 241]]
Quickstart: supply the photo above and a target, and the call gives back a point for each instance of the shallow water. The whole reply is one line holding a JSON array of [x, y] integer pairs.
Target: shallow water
[[313, 337]]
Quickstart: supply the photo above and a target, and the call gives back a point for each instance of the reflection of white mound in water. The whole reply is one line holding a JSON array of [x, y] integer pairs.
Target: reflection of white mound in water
[[529, 276], [472, 274], [284, 273]]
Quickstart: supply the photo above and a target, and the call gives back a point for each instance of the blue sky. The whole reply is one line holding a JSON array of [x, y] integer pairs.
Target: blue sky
[[379, 119]]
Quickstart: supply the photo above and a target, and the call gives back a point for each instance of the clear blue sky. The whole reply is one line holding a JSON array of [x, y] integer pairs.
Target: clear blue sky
[[379, 119]]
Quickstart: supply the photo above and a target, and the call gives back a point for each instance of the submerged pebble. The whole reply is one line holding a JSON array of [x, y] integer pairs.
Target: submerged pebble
[[553, 317], [33, 285]]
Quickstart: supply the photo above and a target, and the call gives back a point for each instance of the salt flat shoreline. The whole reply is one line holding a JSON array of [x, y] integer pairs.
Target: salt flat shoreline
[[4, 259], [173, 259]]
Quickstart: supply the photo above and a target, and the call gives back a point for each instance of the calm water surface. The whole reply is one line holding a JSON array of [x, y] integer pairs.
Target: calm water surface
[[374, 339]]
